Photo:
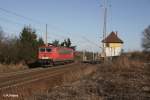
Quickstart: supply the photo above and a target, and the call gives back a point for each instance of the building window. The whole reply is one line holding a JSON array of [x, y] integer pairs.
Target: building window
[[107, 44]]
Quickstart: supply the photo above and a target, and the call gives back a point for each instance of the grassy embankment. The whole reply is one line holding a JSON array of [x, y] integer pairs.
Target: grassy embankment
[[123, 79]]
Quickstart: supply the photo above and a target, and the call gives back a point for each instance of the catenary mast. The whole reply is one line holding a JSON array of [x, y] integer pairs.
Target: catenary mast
[[104, 26], [46, 36]]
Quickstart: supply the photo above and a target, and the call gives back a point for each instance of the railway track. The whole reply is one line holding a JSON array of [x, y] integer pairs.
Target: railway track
[[27, 71], [19, 78], [18, 84]]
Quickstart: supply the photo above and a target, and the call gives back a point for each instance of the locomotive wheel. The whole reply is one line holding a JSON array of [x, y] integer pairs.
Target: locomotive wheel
[[53, 64]]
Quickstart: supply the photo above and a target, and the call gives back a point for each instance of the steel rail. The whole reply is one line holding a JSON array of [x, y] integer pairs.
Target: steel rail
[[11, 74], [38, 76]]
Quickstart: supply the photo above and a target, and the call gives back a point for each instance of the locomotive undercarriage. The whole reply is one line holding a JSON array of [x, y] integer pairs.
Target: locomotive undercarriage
[[46, 62], [50, 62]]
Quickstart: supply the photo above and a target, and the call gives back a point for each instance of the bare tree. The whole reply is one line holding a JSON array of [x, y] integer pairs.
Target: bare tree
[[1, 34], [146, 39]]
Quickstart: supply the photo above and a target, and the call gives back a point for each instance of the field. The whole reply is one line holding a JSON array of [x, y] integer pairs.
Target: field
[[122, 79]]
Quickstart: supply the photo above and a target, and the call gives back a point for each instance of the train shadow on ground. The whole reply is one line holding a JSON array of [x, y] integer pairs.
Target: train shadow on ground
[[38, 65], [34, 65]]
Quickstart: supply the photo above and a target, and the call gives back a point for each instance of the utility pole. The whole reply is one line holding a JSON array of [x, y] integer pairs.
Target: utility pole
[[104, 26], [84, 56], [105, 19], [46, 36], [93, 56]]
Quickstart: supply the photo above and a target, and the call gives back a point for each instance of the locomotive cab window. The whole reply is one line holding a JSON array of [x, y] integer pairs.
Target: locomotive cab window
[[48, 50], [42, 49]]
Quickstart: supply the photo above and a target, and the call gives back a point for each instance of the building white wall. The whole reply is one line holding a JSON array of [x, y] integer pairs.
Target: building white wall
[[109, 51]]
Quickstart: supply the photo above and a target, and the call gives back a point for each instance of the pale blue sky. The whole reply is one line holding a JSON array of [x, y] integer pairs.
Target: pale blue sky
[[79, 18]]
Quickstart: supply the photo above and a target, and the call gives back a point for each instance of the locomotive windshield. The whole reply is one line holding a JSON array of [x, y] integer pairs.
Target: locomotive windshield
[[48, 49], [45, 49], [42, 49]]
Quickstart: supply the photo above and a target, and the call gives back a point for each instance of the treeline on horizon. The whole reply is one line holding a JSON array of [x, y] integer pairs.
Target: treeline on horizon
[[24, 49]]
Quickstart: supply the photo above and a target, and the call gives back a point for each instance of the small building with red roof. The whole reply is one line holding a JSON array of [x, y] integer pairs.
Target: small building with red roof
[[112, 45]]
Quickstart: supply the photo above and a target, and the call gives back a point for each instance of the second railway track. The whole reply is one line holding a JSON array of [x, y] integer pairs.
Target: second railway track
[[29, 76]]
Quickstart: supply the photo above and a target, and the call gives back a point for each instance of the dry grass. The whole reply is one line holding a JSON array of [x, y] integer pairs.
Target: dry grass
[[64, 80], [122, 64], [77, 74], [11, 67], [123, 79]]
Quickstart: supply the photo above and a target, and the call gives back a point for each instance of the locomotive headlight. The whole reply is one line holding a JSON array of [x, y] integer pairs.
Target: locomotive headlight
[[45, 57]]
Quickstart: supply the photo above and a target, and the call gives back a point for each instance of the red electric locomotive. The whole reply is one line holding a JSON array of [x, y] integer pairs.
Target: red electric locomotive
[[51, 55]]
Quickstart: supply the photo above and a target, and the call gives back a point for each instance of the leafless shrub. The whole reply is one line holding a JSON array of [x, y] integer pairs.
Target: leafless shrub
[[122, 64], [146, 39]]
